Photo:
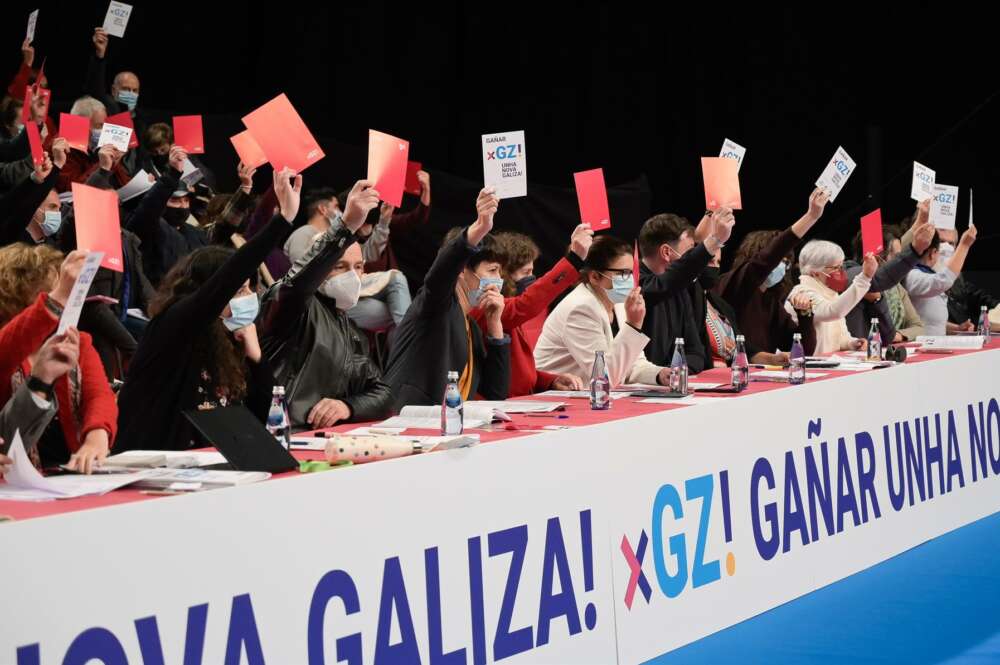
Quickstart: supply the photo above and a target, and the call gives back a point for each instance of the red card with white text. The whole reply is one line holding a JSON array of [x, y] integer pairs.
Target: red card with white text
[[248, 149], [635, 264], [387, 165], [124, 119], [76, 130], [722, 183], [593, 199], [97, 225], [188, 134], [871, 233], [412, 185], [35, 142], [279, 131]]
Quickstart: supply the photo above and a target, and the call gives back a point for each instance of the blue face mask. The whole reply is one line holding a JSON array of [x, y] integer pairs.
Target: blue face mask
[[51, 223], [775, 276], [128, 98], [476, 294], [244, 310], [620, 288]]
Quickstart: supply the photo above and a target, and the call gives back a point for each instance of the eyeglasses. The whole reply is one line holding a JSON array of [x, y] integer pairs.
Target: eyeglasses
[[612, 273]]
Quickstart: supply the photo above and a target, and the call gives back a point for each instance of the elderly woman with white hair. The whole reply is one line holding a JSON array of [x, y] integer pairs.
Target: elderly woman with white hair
[[824, 282]]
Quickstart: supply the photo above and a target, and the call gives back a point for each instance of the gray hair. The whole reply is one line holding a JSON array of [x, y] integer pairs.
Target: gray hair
[[87, 106], [817, 254]]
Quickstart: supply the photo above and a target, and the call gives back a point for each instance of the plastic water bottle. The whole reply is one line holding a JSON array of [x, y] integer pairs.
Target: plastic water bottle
[[600, 384], [874, 342], [278, 422], [451, 407], [741, 366], [984, 324], [797, 361], [679, 368]]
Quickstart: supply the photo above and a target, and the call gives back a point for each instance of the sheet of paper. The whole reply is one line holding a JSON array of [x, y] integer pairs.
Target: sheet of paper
[[248, 149], [683, 401], [280, 132], [504, 164], [837, 171], [188, 134], [190, 174], [872, 241], [116, 135], [579, 394], [124, 119], [733, 150], [98, 227], [387, 157], [922, 187], [78, 295], [783, 374], [116, 20], [944, 206], [140, 183], [76, 130], [32, 23], [953, 342], [515, 406]]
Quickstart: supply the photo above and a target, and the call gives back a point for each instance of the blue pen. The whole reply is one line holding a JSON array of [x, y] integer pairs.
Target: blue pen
[[545, 415]]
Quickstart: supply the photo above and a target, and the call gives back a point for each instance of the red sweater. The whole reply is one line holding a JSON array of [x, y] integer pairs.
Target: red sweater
[[95, 408], [525, 379]]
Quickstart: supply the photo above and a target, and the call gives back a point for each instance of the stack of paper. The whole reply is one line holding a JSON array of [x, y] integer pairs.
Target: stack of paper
[[198, 479], [504, 408], [429, 417], [171, 459], [579, 394], [951, 342]]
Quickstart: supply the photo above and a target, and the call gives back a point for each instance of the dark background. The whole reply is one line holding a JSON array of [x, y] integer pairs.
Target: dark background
[[642, 91]]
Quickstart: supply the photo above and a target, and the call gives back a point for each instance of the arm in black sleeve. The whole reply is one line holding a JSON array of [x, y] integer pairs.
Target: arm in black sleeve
[[893, 272], [495, 381], [260, 388], [16, 148], [198, 310], [98, 320], [439, 283], [144, 222], [96, 83], [375, 401], [678, 275]]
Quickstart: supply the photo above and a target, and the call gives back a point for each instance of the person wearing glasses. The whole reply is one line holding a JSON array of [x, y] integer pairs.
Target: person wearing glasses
[[605, 312]]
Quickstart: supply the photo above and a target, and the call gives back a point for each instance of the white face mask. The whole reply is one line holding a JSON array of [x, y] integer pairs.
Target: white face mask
[[345, 288], [947, 250]]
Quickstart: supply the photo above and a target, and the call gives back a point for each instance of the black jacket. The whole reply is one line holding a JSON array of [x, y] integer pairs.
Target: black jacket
[[18, 206], [669, 311], [162, 244], [702, 291], [316, 352], [965, 300], [431, 339]]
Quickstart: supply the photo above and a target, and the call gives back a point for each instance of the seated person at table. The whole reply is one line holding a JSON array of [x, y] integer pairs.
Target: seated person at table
[[437, 335], [824, 282], [31, 409], [84, 428], [605, 312], [964, 298], [758, 283], [928, 286], [903, 315], [200, 349], [317, 353], [890, 273], [525, 379], [671, 261]]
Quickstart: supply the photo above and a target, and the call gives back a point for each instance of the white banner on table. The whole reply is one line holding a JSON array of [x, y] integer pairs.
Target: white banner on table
[[944, 206], [116, 135], [116, 20], [647, 533], [78, 295], [836, 173], [922, 187], [733, 150], [504, 165]]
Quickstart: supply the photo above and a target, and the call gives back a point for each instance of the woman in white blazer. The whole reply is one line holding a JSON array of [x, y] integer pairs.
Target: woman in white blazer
[[824, 282], [603, 313]]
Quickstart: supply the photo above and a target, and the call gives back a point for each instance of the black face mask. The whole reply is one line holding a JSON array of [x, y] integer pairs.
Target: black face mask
[[161, 161], [709, 278], [521, 285], [176, 216]]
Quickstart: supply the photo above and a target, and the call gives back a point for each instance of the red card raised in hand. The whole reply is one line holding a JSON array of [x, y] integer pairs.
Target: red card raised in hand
[[29, 95], [124, 119], [281, 134], [35, 142], [97, 225], [249, 151], [871, 233], [76, 130], [635, 264], [188, 134], [722, 183], [387, 165], [412, 185], [593, 199]]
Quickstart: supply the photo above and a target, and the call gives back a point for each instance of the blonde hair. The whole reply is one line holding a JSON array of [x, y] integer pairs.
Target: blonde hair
[[25, 271]]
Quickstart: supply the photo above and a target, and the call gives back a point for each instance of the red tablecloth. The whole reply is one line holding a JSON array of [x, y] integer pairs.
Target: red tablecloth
[[578, 414]]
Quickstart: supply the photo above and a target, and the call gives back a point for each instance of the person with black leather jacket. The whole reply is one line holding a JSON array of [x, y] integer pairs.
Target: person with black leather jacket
[[316, 351]]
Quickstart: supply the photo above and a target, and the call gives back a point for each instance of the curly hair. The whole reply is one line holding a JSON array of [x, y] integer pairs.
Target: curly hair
[[25, 271], [514, 251], [215, 349]]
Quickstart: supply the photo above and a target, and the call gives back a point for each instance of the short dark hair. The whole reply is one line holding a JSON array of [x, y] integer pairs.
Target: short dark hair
[[488, 250], [603, 251], [659, 229], [316, 197]]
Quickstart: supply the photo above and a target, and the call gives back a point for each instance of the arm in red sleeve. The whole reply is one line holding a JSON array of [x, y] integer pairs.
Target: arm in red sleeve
[[98, 409], [23, 335], [20, 82], [537, 298]]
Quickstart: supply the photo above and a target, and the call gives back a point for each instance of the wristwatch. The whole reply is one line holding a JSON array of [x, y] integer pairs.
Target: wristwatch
[[36, 385]]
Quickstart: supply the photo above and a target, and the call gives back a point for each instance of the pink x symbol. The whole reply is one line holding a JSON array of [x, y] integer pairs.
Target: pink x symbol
[[634, 561]]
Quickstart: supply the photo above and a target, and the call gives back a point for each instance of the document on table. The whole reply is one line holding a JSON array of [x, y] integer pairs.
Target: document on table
[[951, 342]]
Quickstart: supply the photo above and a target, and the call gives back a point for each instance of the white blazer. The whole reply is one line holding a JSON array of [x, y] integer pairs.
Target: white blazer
[[578, 327]]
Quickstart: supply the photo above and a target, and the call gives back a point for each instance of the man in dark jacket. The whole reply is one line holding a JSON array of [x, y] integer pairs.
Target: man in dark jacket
[[671, 261], [437, 335], [313, 347]]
